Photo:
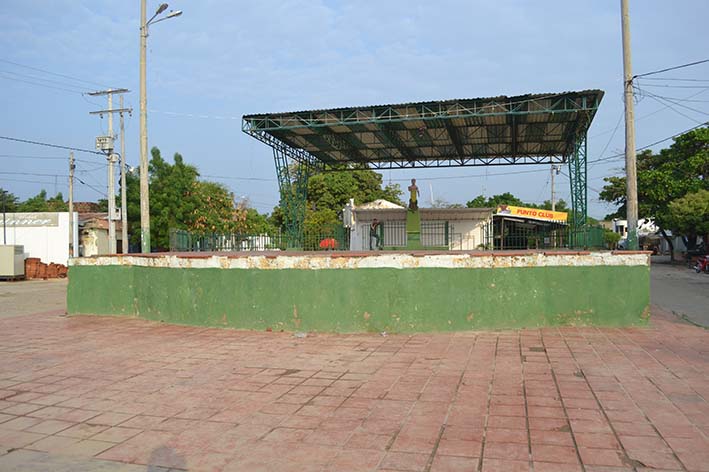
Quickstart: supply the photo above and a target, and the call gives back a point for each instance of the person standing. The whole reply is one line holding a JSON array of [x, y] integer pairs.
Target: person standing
[[414, 195], [374, 234]]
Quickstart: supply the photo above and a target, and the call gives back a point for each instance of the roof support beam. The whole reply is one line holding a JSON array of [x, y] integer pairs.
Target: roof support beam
[[393, 139], [455, 138]]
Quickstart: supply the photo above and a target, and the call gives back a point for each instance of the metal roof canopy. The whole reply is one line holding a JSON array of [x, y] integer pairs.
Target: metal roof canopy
[[525, 129]]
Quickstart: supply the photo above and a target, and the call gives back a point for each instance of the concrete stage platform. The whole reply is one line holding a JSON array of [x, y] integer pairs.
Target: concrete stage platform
[[367, 291]]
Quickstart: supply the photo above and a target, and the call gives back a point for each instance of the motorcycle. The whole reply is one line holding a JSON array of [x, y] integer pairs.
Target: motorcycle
[[702, 265]]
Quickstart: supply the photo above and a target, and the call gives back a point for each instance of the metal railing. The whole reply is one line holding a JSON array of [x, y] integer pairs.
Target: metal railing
[[327, 239], [392, 234], [514, 235]]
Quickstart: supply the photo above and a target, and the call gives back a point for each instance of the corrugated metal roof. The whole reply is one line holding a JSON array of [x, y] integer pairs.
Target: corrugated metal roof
[[531, 128]]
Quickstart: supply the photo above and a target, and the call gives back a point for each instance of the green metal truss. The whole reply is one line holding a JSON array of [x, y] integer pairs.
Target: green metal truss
[[293, 168], [578, 171], [527, 129]]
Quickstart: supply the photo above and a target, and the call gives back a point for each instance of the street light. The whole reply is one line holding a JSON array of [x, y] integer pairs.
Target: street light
[[144, 185]]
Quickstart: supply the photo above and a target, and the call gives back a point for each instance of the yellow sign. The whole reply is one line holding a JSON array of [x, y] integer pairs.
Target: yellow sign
[[533, 213]]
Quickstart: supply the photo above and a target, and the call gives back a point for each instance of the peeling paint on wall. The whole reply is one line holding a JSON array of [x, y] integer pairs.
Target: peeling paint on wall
[[367, 260]]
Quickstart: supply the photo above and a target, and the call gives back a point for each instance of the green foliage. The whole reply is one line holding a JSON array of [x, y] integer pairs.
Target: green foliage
[[611, 238], [329, 192], [256, 223], [212, 209], [171, 186], [492, 202], [332, 190], [689, 215], [40, 203], [8, 201], [179, 200], [664, 177], [508, 199]]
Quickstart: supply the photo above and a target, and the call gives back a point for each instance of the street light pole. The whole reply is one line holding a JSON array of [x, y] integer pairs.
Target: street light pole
[[144, 183], [144, 186], [631, 179]]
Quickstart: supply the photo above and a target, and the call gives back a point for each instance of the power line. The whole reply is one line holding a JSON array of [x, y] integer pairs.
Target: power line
[[615, 130], [34, 77], [39, 84], [52, 73], [676, 102], [671, 68], [57, 146], [652, 144], [29, 181], [676, 79], [16, 156], [655, 97], [34, 174], [257, 179], [678, 86], [91, 187]]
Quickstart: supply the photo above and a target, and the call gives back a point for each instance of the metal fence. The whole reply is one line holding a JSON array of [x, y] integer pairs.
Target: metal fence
[[326, 239], [434, 234], [508, 234], [393, 234]]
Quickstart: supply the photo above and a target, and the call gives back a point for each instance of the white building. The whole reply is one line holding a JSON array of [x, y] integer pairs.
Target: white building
[[452, 228], [43, 235]]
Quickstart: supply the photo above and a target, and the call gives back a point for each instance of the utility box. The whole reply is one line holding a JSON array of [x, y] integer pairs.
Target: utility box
[[12, 261]]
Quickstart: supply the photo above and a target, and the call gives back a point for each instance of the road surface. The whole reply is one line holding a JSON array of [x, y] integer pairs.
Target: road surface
[[32, 296], [680, 290]]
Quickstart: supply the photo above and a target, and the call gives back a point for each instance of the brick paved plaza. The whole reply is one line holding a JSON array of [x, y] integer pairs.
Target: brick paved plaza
[[102, 393]]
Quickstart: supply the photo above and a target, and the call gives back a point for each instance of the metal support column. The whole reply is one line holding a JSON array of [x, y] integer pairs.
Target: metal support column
[[579, 191], [293, 186]]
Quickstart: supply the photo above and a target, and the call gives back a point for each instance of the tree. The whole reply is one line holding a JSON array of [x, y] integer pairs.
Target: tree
[[493, 202], [611, 238], [212, 208], [689, 215], [179, 200], [665, 177], [8, 201], [332, 190], [171, 186], [256, 223], [39, 203]]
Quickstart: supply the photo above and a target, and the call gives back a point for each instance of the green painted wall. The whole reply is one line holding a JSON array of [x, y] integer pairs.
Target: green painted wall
[[352, 300]]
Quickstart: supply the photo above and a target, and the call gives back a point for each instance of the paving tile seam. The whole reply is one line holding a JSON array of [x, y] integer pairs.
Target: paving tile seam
[[526, 404], [563, 403], [488, 402], [627, 459], [670, 371], [642, 410], [657, 387], [429, 464]]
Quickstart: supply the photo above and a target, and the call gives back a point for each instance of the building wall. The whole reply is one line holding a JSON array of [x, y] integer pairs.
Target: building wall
[[464, 235], [393, 292], [94, 242], [467, 235], [43, 235]]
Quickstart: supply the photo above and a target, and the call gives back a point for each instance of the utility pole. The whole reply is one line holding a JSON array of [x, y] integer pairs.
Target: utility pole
[[555, 169], [631, 182], [72, 166], [111, 183], [111, 160], [144, 185], [124, 205]]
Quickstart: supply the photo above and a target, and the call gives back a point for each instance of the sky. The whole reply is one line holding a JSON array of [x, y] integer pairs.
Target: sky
[[223, 59]]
